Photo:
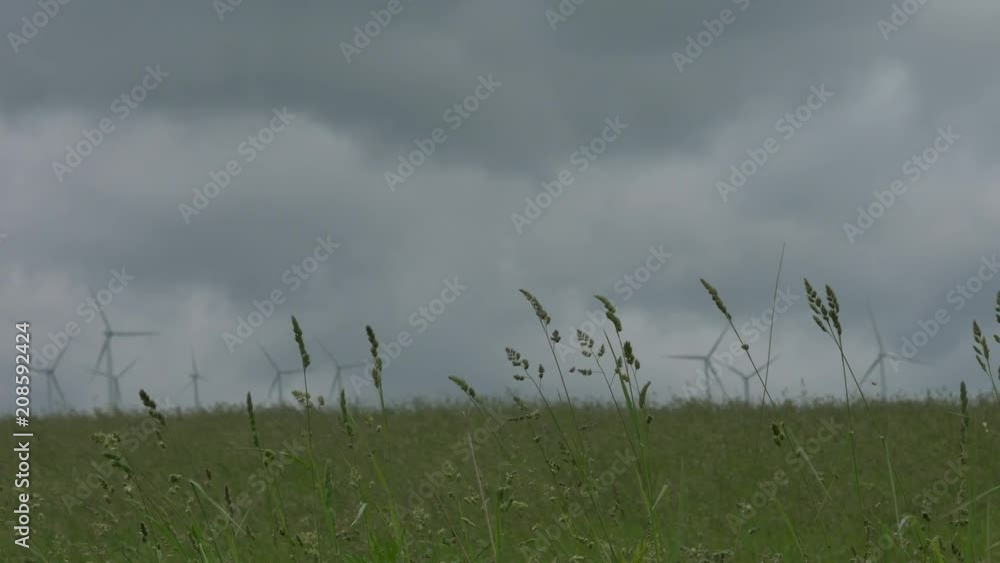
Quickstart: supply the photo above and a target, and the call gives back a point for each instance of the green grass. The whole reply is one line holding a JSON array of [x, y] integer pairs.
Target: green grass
[[531, 478], [713, 459]]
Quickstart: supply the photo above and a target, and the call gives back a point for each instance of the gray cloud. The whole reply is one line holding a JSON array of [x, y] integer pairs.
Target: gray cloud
[[324, 176]]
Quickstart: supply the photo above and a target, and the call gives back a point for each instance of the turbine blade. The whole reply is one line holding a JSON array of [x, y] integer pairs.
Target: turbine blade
[[185, 388], [128, 367], [769, 362], [100, 311], [269, 359], [718, 381], [738, 372], [878, 336], [104, 349], [334, 385], [55, 362], [132, 333], [717, 341], [352, 366], [328, 353], [870, 370], [194, 366], [270, 392], [907, 360], [58, 388]]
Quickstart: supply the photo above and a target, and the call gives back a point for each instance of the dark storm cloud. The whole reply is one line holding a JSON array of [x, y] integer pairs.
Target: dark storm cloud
[[220, 80]]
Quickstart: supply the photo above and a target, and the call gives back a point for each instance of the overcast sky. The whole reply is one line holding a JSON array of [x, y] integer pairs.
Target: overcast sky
[[644, 109]]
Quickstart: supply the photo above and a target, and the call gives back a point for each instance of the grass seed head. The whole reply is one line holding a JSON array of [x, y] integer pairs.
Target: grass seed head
[[345, 418], [540, 312], [778, 433], [833, 309], [297, 330], [717, 299], [981, 347], [150, 405], [610, 312], [253, 422], [147, 401], [229, 501], [464, 386], [377, 369], [629, 353], [820, 313]]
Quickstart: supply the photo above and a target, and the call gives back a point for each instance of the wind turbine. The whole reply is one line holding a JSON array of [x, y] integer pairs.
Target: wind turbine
[[114, 388], [882, 357], [52, 383], [337, 368], [746, 377], [278, 372], [195, 376], [710, 371], [113, 398]]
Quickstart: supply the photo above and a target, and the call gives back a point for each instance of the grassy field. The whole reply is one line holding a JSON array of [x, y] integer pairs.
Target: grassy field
[[535, 478]]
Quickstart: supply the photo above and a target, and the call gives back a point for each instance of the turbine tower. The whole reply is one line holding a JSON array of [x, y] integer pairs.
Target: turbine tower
[[337, 369], [882, 356], [113, 398], [195, 376], [278, 373], [114, 388], [52, 383], [746, 377], [710, 371]]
